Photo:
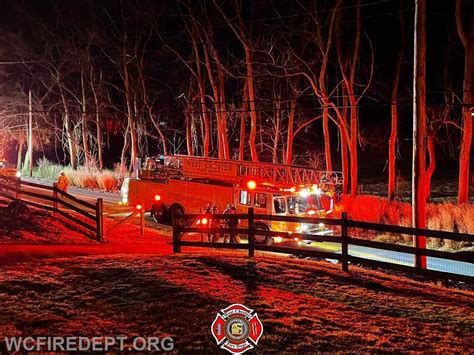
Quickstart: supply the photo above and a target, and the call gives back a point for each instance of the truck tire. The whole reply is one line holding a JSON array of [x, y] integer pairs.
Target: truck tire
[[262, 239], [158, 212]]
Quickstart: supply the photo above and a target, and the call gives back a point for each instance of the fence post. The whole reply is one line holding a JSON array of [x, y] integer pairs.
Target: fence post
[[142, 222], [55, 197], [344, 243], [18, 188], [176, 237], [99, 209], [251, 232]]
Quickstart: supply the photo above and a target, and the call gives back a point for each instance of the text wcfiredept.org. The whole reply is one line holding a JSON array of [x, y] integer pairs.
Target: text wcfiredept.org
[[106, 343]]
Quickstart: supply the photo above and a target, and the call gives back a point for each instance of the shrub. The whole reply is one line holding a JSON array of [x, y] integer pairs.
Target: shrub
[[107, 181], [440, 216], [47, 170], [83, 177]]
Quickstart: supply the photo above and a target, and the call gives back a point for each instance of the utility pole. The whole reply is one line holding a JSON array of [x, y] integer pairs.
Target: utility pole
[[30, 133], [418, 199]]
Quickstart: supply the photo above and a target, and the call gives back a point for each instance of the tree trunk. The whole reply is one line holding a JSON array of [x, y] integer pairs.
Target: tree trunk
[[126, 143], [348, 68], [327, 138], [225, 139], [202, 99], [419, 129], [72, 146], [353, 145], [242, 123], [215, 92], [345, 164], [466, 140], [222, 151], [253, 109], [130, 116], [30, 133], [392, 151], [189, 137], [467, 39], [97, 118], [156, 124], [344, 147], [19, 158], [290, 135], [85, 130], [431, 167], [392, 143], [276, 135], [68, 127], [99, 138], [205, 117]]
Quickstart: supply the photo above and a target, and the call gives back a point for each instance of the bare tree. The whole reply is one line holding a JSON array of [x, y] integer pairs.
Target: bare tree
[[349, 63], [394, 110], [419, 129], [465, 28], [240, 32]]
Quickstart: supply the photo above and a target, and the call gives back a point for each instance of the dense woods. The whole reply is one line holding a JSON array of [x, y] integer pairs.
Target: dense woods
[[310, 83]]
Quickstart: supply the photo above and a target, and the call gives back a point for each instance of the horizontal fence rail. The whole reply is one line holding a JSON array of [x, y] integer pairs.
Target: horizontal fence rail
[[251, 227], [50, 198]]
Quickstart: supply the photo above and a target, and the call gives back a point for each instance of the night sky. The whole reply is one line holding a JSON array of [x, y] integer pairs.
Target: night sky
[[55, 30]]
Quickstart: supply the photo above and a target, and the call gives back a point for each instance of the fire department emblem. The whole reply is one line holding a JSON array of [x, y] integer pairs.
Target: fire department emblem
[[237, 329]]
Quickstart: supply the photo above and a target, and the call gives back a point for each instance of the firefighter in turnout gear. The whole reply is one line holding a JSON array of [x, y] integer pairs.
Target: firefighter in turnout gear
[[211, 222], [232, 236], [63, 182]]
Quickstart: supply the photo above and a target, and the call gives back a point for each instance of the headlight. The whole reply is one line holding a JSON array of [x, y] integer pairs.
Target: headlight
[[303, 228], [18, 174]]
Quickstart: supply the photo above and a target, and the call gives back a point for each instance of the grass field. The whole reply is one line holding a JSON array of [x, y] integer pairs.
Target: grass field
[[304, 306], [133, 286]]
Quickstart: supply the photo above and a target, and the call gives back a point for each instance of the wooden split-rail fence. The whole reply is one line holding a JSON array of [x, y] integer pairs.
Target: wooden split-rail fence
[[252, 222], [50, 198]]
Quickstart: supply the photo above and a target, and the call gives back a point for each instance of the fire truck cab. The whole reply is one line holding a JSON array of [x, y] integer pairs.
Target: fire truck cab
[[189, 184]]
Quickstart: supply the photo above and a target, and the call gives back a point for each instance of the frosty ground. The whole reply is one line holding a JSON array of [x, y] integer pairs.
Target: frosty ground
[[134, 286]]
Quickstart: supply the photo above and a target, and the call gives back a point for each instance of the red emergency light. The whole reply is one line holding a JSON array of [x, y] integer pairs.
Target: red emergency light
[[251, 184], [204, 221]]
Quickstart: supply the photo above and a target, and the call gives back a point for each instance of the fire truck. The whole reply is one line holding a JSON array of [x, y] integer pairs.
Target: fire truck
[[188, 184], [8, 170]]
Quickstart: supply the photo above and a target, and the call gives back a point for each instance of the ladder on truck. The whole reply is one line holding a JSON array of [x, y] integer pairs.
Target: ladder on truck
[[236, 171]]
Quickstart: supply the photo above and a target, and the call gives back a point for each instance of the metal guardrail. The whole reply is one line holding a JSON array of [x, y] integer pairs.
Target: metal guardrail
[[11, 189], [344, 257]]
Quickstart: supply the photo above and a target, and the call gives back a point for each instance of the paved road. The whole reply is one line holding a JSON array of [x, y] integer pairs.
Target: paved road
[[455, 267], [111, 206], [110, 199]]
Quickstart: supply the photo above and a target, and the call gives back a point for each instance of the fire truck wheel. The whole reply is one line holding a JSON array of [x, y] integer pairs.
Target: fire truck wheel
[[158, 212], [262, 239]]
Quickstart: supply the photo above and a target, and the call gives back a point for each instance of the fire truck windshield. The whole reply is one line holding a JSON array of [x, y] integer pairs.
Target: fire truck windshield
[[312, 202]]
